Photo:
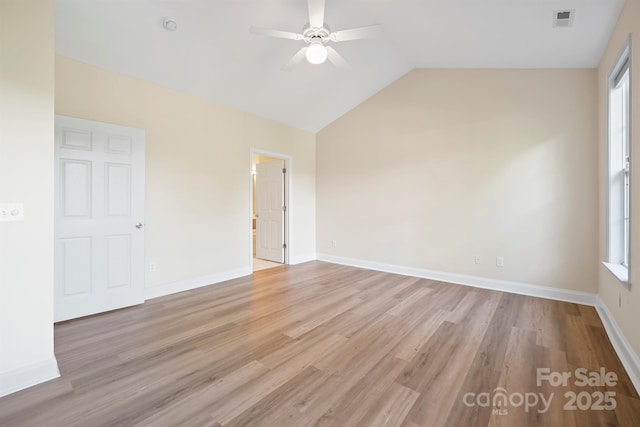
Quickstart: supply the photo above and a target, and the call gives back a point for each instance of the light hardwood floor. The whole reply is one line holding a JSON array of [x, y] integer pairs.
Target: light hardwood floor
[[327, 345], [263, 264]]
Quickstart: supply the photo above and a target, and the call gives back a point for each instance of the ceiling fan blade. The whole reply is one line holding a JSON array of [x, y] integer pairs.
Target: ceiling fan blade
[[275, 33], [356, 33], [297, 58], [316, 13], [335, 58]]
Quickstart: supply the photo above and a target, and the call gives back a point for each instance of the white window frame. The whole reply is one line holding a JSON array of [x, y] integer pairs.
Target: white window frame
[[619, 167]]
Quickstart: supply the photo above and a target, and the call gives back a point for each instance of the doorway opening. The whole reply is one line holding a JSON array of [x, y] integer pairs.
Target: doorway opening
[[270, 183]]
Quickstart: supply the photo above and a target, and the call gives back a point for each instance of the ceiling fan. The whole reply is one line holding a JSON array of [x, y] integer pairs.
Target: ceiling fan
[[316, 34]]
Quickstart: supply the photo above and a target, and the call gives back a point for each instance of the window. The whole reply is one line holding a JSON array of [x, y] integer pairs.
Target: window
[[619, 168]]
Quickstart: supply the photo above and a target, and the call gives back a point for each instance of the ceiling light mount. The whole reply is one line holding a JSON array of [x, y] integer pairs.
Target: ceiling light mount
[[169, 24]]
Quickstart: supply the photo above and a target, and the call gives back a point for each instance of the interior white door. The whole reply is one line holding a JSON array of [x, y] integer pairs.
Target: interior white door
[[270, 210], [99, 217]]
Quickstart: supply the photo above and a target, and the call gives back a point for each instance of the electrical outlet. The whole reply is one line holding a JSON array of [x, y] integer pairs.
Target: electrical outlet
[[478, 259], [499, 261], [153, 266], [334, 244]]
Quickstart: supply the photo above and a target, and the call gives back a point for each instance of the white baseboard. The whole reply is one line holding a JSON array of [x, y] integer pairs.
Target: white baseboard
[[628, 357], [197, 282], [27, 376], [478, 282], [303, 258]]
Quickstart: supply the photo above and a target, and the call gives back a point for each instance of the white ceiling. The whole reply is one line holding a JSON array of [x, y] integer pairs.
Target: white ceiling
[[213, 55]]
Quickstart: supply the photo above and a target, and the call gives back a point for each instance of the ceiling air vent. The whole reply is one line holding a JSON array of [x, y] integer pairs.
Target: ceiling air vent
[[563, 18]]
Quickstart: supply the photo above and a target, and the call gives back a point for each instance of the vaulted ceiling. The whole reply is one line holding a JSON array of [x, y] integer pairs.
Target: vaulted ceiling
[[213, 55]]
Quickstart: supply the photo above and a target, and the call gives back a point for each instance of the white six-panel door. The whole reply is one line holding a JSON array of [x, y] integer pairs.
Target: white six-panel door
[[99, 217], [270, 210]]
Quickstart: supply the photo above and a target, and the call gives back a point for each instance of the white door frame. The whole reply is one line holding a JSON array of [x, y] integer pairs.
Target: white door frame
[[288, 161]]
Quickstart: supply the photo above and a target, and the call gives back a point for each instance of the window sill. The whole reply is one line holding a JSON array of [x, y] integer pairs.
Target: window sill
[[620, 272]]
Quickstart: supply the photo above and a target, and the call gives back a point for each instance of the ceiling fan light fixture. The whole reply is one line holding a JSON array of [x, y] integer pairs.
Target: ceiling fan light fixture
[[317, 35], [316, 53]]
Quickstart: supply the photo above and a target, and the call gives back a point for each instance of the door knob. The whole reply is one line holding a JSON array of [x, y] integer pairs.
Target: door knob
[[139, 225]]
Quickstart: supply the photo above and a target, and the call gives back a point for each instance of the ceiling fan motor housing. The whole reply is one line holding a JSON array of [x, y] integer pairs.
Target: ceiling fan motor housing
[[311, 33]]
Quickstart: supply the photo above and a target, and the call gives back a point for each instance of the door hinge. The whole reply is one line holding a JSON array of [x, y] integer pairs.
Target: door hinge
[[284, 246], [284, 208], [284, 170]]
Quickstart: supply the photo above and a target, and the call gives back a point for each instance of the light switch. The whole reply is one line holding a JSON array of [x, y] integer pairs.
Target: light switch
[[11, 212]]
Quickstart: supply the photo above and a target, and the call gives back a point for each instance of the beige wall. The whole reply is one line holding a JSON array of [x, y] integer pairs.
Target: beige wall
[[623, 303], [26, 175], [198, 170], [444, 165]]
